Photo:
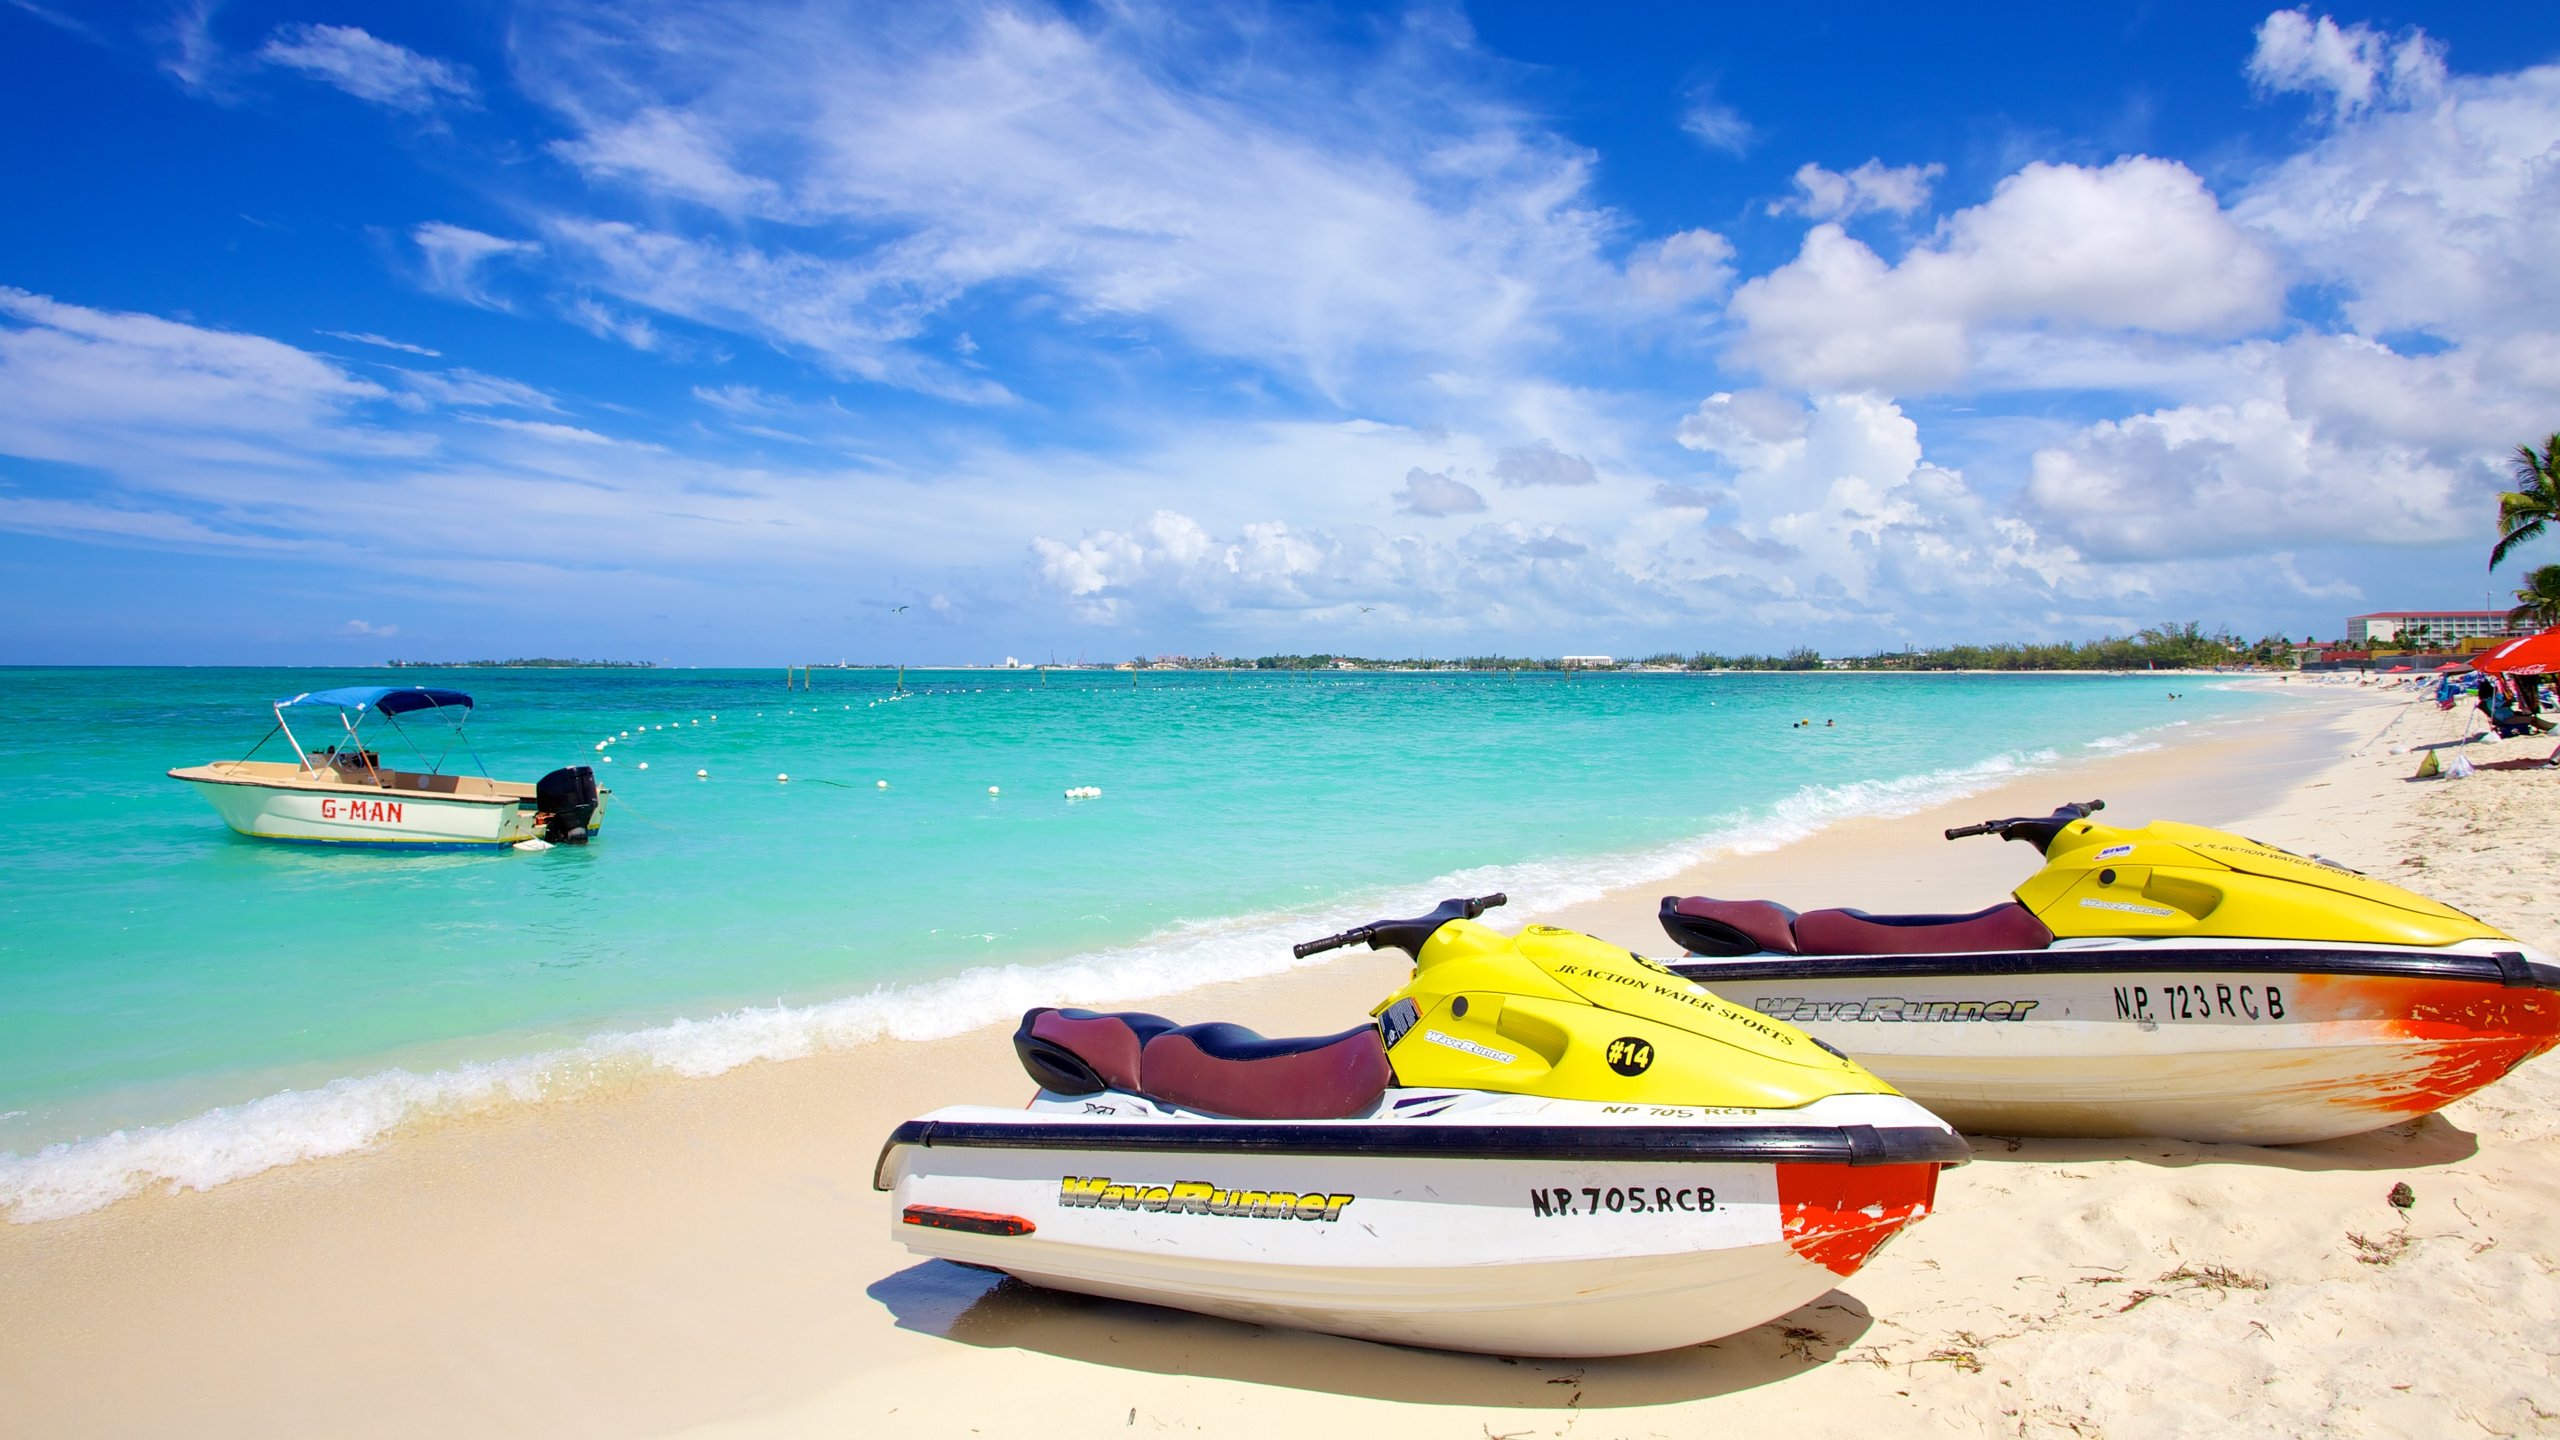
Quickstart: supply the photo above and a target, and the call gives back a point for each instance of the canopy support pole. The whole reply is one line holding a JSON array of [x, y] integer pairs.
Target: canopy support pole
[[290, 740]]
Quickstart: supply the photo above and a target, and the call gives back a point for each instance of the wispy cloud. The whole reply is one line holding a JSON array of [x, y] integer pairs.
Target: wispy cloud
[[1327, 217], [456, 257], [368, 67], [362, 337], [1716, 125]]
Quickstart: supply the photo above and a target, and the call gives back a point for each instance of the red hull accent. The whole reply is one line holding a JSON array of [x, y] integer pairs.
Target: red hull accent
[[1838, 1216]]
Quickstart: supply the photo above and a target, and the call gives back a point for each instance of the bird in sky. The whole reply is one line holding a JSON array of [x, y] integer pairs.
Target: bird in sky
[[1365, 609], [897, 609]]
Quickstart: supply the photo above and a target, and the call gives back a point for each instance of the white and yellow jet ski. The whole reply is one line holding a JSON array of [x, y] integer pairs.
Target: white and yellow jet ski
[[2163, 980], [1543, 1145]]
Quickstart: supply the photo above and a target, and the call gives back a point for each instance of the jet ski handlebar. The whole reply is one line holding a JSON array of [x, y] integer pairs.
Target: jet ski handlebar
[[2038, 829], [1405, 935]]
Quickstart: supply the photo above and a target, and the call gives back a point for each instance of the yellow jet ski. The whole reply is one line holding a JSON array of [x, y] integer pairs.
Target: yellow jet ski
[[2161, 980], [1541, 1145]]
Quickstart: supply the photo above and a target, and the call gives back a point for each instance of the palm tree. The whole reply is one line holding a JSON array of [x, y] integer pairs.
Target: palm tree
[[2538, 603], [2534, 503]]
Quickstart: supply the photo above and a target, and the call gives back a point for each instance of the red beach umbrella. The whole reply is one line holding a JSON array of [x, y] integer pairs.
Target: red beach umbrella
[[2397, 670], [2532, 655]]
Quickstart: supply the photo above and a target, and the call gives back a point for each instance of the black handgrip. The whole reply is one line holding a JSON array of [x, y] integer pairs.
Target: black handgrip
[[1406, 935], [2039, 830], [1330, 942]]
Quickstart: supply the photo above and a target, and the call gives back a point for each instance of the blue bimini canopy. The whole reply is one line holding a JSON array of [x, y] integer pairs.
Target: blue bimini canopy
[[383, 699]]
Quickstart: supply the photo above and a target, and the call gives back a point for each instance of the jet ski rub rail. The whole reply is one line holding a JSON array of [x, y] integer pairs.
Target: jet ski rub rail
[[1851, 1145], [2507, 968]]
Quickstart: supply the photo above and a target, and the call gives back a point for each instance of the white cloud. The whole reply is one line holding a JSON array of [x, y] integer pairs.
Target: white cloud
[[545, 430], [672, 152], [1872, 188], [2138, 245], [2354, 66], [1667, 496], [81, 385], [363, 337], [367, 67], [363, 627], [1328, 216], [455, 256], [1539, 463], [2325, 440], [1679, 269], [1428, 492], [466, 388], [1716, 125], [606, 323], [2440, 217]]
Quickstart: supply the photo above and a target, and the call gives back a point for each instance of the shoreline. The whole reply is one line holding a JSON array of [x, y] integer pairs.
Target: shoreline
[[312, 1112], [706, 1256]]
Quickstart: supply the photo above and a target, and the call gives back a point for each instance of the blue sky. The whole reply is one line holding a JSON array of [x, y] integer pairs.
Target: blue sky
[[716, 333]]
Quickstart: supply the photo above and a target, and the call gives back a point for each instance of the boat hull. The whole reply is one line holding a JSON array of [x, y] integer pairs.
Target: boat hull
[[1545, 1234], [2266, 1044], [321, 814]]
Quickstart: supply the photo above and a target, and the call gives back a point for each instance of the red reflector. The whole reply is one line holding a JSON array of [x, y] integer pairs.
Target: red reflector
[[975, 1222]]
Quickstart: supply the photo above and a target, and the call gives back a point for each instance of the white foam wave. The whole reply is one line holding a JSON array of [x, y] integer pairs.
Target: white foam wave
[[237, 1141], [2131, 742]]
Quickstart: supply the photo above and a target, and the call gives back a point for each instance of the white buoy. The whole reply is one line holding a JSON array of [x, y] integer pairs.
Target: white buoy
[[644, 764], [993, 790], [883, 784], [626, 734], [608, 759], [783, 779], [701, 774], [600, 746], [715, 718]]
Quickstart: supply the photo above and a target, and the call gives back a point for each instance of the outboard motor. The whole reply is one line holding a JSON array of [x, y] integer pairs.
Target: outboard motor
[[565, 800]]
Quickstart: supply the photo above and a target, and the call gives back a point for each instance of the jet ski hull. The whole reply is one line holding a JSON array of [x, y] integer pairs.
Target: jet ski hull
[[2265, 1043], [1517, 1227]]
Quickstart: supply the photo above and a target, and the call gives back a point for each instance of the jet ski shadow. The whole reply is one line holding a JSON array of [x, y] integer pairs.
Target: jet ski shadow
[[2411, 1144], [983, 1308]]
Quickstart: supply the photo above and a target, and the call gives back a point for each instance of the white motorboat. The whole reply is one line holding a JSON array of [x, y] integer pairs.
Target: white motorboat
[[2164, 980], [343, 794], [1543, 1146]]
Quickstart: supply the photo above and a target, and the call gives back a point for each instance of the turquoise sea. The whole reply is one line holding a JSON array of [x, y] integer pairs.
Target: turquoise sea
[[180, 1003]]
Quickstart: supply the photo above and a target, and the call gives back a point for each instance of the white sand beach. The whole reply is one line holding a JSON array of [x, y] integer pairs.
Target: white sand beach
[[707, 1257]]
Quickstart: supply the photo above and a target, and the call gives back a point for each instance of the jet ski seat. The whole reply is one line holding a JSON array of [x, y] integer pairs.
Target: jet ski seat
[[1218, 1068], [1730, 928], [1080, 1052], [1229, 1070]]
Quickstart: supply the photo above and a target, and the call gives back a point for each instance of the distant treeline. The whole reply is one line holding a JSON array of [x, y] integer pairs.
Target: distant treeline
[[2165, 647], [537, 662]]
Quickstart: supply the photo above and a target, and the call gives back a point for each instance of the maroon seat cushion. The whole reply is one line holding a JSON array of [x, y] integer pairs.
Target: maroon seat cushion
[[1851, 932], [1729, 927], [1229, 1070], [1108, 1044]]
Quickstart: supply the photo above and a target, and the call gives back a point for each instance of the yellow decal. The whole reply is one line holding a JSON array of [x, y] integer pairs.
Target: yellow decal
[[1199, 1197]]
